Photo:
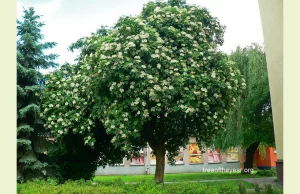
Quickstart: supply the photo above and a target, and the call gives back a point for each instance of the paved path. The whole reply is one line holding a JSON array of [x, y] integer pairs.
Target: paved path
[[264, 180], [260, 181]]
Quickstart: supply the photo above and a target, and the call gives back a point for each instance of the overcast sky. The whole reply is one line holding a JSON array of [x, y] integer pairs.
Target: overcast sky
[[68, 20]]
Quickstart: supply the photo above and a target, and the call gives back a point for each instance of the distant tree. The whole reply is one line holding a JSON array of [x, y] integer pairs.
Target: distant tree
[[31, 135], [155, 78], [251, 122]]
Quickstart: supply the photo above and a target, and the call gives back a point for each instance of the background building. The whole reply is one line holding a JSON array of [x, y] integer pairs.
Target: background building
[[191, 158]]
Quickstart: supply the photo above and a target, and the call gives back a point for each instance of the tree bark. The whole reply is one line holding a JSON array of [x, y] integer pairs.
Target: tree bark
[[160, 151], [154, 133], [248, 164], [160, 163]]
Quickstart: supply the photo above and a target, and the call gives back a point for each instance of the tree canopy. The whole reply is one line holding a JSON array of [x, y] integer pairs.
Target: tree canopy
[[251, 121], [71, 116], [157, 77]]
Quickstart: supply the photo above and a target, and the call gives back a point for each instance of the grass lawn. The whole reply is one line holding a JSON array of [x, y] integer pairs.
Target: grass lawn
[[178, 177], [144, 184], [148, 187]]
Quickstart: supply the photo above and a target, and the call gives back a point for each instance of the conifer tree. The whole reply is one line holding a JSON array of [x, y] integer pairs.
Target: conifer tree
[[31, 141]]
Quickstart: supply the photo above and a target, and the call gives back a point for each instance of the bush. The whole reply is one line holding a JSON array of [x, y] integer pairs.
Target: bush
[[145, 187], [269, 189], [224, 189], [73, 160], [256, 187], [118, 186], [242, 189], [69, 187], [271, 172]]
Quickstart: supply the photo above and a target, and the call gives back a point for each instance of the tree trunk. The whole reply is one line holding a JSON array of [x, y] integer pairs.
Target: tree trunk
[[154, 133], [248, 164], [160, 163]]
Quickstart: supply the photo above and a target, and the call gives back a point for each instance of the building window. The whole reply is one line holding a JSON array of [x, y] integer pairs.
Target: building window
[[195, 154], [233, 154], [140, 160], [214, 155]]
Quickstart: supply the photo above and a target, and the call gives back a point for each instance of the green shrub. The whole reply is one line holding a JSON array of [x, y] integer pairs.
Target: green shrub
[[225, 189], [269, 189], [271, 172], [73, 160], [119, 186], [190, 188], [256, 187], [69, 187], [242, 189]]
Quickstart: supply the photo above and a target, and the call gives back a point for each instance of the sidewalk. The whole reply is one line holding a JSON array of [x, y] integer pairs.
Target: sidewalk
[[264, 180], [260, 181]]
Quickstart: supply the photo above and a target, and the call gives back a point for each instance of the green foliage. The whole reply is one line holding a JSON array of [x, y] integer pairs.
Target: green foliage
[[25, 143], [226, 189], [73, 160], [242, 189], [262, 150], [251, 120], [177, 177], [156, 78], [257, 188], [146, 187], [271, 172], [24, 129], [69, 187], [269, 189], [30, 58]]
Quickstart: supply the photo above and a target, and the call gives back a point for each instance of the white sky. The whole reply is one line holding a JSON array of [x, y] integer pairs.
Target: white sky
[[68, 20]]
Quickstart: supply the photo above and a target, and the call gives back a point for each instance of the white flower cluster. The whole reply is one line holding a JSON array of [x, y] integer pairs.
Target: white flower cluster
[[66, 107], [164, 64], [163, 68]]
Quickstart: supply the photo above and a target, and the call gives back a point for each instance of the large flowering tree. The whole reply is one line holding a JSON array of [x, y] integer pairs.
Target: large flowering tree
[[157, 78]]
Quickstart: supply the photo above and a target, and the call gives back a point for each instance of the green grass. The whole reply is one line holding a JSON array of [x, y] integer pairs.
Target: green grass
[[144, 184], [178, 177], [146, 187]]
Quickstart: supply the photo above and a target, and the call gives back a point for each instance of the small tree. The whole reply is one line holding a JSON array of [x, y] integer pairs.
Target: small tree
[[31, 144], [251, 122], [67, 108], [155, 78]]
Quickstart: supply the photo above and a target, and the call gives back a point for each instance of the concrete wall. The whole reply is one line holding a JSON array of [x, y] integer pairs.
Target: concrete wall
[[269, 161], [182, 168], [271, 12], [127, 169]]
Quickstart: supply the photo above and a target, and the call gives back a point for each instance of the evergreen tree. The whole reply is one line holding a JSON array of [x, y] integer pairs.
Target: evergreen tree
[[31, 141]]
